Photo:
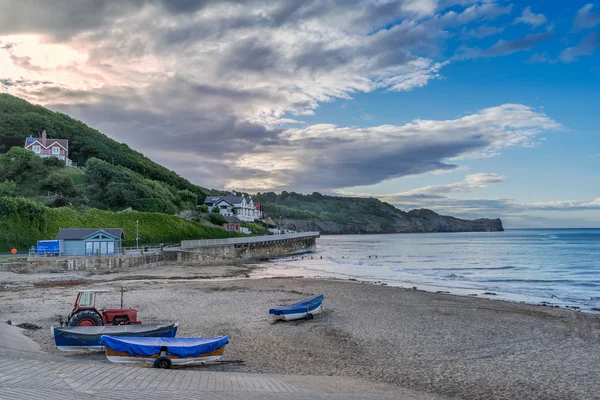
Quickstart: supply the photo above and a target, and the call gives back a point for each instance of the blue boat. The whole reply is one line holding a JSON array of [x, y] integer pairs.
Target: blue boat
[[164, 352], [80, 338], [303, 309]]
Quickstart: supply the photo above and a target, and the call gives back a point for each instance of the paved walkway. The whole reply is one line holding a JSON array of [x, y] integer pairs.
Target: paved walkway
[[28, 373]]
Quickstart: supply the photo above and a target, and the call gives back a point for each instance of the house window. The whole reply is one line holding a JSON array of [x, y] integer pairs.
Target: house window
[[36, 149], [56, 150]]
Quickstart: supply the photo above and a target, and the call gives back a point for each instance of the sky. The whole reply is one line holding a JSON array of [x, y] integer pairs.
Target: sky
[[472, 108]]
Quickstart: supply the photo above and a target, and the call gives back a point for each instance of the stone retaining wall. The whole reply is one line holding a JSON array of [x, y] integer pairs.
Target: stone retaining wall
[[211, 255], [92, 263], [240, 253]]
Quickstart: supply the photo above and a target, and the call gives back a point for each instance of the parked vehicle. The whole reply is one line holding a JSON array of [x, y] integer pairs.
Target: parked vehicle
[[85, 313], [78, 338], [163, 352], [304, 309]]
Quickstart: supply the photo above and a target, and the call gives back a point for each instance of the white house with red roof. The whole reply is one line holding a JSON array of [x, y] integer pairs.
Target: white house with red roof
[[47, 147]]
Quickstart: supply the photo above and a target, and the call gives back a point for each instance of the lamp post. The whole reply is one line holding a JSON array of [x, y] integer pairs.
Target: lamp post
[[137, 236]]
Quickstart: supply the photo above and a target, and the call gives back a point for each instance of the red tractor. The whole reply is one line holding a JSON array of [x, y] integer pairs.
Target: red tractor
[[85, 313]]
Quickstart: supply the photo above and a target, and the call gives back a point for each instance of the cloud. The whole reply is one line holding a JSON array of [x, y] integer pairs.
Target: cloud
[[540, 58], [210, 88], [471, 183], [505, 47], [527, 17], [327, 156], [484, 31], [586, 18], [570, 205], [585, 47], [514, 214]]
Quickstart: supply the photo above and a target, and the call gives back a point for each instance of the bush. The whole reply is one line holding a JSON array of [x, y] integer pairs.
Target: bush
[[7, 188], [203, 209], [217, 219], [216, 210], [60, 181], [23, 222]]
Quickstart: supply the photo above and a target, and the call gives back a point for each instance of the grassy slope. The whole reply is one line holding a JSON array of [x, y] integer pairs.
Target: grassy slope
[[20, 227], [19, 119]]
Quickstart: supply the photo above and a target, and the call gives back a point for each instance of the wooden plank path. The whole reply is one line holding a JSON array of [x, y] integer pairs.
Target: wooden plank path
[[28, 373]]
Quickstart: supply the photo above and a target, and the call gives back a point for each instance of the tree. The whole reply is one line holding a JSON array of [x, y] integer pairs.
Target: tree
[[7, 188], [60, 181], [217, 219], [216, 210], [203, 208]]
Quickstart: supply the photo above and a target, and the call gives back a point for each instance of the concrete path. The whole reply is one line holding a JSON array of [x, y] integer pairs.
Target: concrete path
[[28, 373]]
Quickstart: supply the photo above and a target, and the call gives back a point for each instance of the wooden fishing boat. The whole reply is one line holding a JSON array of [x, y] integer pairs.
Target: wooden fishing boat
[[304, 309], [81, 338], [164, 352]]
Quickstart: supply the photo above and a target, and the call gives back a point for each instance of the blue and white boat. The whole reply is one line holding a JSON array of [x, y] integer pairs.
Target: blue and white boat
[[164, 352], [82, 338], [304, 309]]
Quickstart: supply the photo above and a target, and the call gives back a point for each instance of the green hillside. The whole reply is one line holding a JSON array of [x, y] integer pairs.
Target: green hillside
[[40, 195], [23, 222], [342, 210], [20, 119]]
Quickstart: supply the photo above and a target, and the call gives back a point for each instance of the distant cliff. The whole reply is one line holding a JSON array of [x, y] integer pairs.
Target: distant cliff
[[346, 215]]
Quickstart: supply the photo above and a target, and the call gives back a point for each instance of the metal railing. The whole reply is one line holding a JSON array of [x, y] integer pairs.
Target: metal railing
[[125, 251], [189, 244]]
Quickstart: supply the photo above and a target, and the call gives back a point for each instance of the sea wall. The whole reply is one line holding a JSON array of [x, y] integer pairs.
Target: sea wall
[[239, 253], [215, 254], [91, 263]]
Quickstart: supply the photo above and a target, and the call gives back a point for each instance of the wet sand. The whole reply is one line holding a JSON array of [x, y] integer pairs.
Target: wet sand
[[458, 347]]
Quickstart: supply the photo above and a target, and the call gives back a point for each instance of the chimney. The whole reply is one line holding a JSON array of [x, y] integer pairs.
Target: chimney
[[44, 137]]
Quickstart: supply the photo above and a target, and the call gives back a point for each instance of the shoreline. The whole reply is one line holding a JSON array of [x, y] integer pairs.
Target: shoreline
[[444, 344], [170, 273]]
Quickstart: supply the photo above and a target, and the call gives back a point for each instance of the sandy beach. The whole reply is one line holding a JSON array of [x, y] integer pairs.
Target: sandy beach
[[456, 347]]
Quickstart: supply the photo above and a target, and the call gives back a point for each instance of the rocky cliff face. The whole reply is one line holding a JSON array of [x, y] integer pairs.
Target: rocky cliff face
[[415, 221]]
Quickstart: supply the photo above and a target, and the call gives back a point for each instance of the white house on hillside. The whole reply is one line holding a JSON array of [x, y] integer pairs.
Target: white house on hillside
[[47, 147], [235, 205]]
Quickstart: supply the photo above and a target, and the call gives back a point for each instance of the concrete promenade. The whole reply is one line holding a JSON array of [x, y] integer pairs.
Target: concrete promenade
[[28, 373]]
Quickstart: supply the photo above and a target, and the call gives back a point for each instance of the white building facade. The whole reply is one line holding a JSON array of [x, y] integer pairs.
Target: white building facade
[[235, 205]]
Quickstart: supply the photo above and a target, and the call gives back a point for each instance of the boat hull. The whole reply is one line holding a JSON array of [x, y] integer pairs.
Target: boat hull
[[300, 315], [180, 351], [83, 338], [300, 310], [120, 357]]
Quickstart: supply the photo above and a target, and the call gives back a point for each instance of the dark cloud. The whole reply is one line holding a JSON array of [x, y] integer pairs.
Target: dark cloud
[[212, 83], [586, 18], [585, 47], [505, 47]]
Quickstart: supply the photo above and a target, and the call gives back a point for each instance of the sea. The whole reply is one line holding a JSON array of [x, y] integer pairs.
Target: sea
[[554, 267]]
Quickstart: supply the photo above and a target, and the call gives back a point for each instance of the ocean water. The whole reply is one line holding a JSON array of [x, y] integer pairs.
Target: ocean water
[[558, 267]]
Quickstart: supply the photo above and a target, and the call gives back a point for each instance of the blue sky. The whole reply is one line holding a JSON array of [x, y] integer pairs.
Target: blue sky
[[473, 108]]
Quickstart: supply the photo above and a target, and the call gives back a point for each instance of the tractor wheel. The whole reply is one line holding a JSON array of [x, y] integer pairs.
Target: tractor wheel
[[85, 318], [163, 362]]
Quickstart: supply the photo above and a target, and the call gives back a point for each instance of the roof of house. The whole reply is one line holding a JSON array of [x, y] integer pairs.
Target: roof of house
[[231, 219], [212, 199], [233, 199], [49, 142], [81, 233]]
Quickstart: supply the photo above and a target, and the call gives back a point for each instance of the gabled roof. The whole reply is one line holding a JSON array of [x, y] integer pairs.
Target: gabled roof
[[233, 199], [212, 199], [222, 201], [64, 143], [82, 233]]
